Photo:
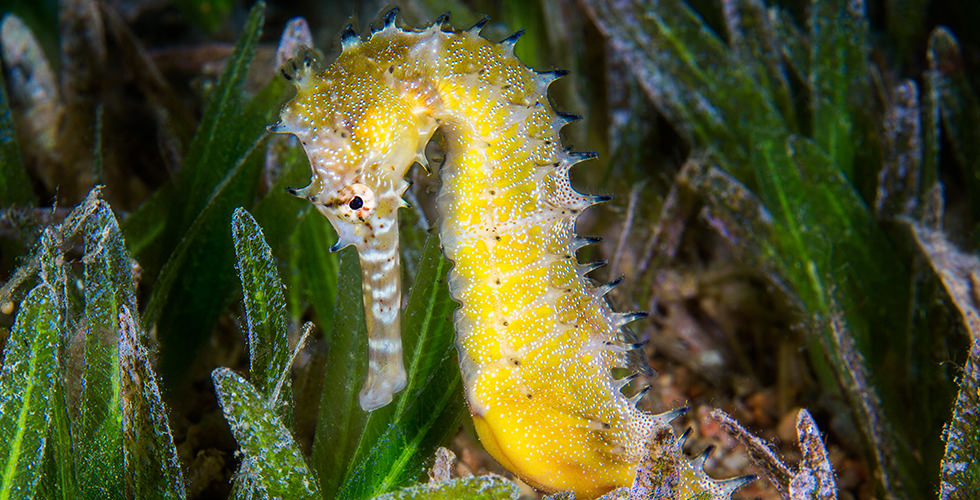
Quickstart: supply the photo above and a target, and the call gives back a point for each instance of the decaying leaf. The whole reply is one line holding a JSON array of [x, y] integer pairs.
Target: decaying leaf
[[959, 108], [70, 227], [960, 469], [960, 275], [760, 452], [83, 66], [150, 457], [959, 272], [442, 468], [900, 178], [34, 95], [815, 478], [864, 401]]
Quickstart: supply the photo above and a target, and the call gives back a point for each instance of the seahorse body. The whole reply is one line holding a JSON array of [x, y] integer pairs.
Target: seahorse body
[[537, 341]]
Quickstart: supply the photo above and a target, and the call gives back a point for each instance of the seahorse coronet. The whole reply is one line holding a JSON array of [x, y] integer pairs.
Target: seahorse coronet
[[537, 339]]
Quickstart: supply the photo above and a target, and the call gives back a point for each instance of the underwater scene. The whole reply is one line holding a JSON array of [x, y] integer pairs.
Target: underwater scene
[[472, 249]]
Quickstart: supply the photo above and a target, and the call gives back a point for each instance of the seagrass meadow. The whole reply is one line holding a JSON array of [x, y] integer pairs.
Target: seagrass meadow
[[795, 202]]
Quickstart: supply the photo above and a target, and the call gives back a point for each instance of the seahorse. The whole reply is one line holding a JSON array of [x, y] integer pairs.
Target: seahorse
[[537, 341]]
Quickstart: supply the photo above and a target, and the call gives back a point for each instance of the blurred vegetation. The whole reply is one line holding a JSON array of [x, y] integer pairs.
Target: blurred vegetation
[[821, 160]]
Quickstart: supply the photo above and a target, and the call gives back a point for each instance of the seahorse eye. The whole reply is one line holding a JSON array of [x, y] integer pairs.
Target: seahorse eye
[[356, 202]]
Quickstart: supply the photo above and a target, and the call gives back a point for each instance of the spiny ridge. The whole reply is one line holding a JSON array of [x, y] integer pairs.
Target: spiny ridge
[[512, 40], [478, 26], [666, 474], [606, 288], [389, 21], [349, 39], [586, 268], [441, 20], [624, 318], [583, 241], [566, 118]]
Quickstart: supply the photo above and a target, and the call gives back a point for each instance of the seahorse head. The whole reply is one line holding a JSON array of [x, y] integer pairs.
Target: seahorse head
[[360, 137], [353, 135]]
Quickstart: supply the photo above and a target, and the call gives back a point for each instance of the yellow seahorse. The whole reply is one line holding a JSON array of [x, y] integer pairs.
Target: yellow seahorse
[[537, 341]]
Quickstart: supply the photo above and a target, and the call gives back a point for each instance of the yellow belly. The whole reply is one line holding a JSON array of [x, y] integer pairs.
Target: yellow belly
[[589, 475]]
